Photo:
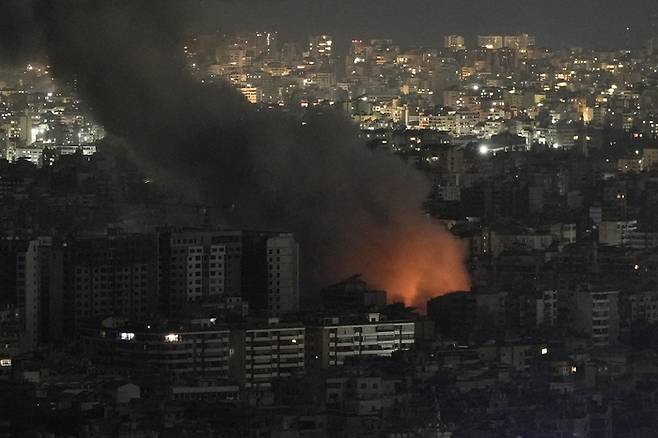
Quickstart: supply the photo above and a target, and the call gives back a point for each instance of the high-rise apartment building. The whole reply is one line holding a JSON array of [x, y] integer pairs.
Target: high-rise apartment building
[[109, 275], [546, 308], [237, 56], [320, 47], [213, 266], [51, 288], [595, 313], [20, 287], [521, 41], [359, 52], [653, 34], [28, 293], [250, 46], [490, 41], [198, 266], [265, 43], [25, 128], [454, 42], [282, 275], [254, 95]]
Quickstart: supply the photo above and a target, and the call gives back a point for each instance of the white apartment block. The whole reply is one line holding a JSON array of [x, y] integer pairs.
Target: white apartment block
[[332, 344], [204, 264], [261, 355]]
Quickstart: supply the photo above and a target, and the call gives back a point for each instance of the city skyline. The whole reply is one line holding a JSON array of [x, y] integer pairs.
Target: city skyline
[[562, 23], [355, 219]]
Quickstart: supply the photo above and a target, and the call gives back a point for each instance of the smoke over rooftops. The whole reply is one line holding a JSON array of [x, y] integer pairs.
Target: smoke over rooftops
[[353, 210]]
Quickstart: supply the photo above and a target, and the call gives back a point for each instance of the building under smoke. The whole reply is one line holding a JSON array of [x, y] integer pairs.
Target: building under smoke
[[353, 209]]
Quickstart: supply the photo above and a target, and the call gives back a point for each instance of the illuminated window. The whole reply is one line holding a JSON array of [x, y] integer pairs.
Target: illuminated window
[[172, 337]]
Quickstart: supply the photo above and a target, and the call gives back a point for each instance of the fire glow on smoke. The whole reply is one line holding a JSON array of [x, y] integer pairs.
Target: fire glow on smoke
[[353, 209], [415, 263]]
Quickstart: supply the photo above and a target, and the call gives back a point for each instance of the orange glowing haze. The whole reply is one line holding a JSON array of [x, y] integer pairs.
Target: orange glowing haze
[[414, 263]]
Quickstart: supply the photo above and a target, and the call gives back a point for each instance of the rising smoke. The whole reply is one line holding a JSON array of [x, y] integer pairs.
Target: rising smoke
[[353, 210]]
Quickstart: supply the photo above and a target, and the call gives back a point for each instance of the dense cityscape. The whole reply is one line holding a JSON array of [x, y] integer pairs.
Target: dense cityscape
[[521, 300]]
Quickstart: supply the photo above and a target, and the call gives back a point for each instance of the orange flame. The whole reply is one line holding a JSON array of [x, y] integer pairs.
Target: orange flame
[[413, 263]]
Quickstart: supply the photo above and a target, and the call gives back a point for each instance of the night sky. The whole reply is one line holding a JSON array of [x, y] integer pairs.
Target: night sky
[[588, 23]]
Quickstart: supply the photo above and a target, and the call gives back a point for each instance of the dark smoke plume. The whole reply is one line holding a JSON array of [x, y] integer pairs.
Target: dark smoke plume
[[353, 210]]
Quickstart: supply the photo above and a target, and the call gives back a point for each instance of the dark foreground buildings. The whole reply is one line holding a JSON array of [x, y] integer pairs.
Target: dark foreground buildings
[[543, 162]]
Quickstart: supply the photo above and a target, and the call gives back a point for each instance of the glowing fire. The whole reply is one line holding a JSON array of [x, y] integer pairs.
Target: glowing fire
[[414, 263]]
